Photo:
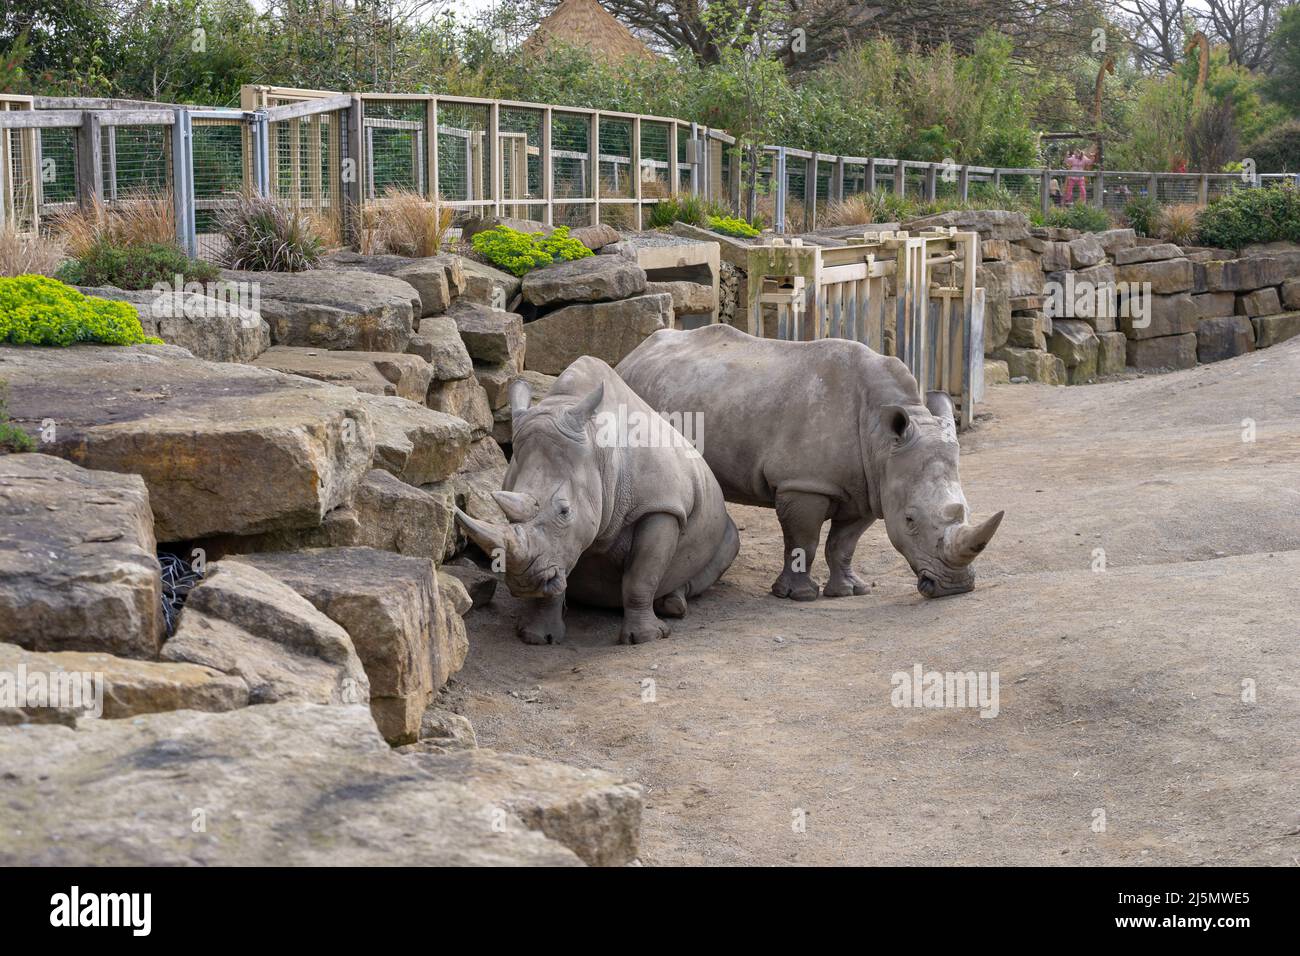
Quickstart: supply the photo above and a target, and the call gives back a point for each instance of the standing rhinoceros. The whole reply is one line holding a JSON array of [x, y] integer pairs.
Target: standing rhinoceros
[[826, 429], [610, 515]]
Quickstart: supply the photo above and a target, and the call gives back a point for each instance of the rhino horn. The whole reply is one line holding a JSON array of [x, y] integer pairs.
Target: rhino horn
[[574, 419], [940, 405], [520, 394], [970, 540], [518, 507], [491, 538]]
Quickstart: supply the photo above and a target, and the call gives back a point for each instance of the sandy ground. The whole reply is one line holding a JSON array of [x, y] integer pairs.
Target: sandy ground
[[1120, 690]]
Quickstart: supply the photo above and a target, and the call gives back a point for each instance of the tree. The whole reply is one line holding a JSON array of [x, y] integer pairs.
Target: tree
[[1283, 85]]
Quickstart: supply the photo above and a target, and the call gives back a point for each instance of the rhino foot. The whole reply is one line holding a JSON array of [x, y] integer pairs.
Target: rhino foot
[[845, 585], [531, 634], [642, 630], [672, 604], [797, 587]]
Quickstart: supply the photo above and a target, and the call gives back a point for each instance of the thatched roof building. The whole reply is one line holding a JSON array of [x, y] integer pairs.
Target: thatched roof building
[[586, 25]]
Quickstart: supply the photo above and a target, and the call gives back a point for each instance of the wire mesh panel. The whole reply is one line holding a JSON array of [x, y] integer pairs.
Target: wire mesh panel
[[824, 173], [464, 152], [21, 175], [395, 142], [218, 147], [616, 168], [520, 133], [796, 178], [58, 152], [1025, 187], [570, 155], [306, 166], [620, 215], [1123, 188], [719, 169], [1219, 186], [855, 178], [655, 183], [1178, 190], [136, 160]]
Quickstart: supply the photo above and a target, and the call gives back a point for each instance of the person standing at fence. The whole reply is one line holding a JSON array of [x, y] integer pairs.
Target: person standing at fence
[[1077, 162]]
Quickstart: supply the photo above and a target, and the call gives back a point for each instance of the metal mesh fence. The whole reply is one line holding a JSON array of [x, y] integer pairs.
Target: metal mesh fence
[[396, 135], [464, 152], [219, 171], [570, 156], [683, 168], [136, 160], [20, 179], [520, 133], [58, 154], [616, 159], [306, 167], [655, 183]]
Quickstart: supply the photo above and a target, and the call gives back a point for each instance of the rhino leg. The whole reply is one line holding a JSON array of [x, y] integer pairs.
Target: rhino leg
[[542, 620], [841, 542], [653, 545], [672, 604], [801, 515]]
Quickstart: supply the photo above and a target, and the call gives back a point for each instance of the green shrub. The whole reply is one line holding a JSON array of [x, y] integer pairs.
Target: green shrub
[[1247, 216], [687, 208], [134, 267], [1079, 216], [35, 310], [732, 226], [1143, 215], [1278, 150], [12, 438], [268, 235], [521, 252]]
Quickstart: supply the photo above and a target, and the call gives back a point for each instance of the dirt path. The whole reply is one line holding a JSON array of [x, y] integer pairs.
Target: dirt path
[[1119, 690]]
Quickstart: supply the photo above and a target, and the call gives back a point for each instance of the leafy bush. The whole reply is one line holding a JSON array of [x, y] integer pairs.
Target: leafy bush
[[141, 219], [29, 253], [732, 226], [404, 223], [134, 267], [1142, 213], [521, 252], [1278, 150], [1079, 216], [1246, 216], [267, 235], [35, 310], [12, 438]]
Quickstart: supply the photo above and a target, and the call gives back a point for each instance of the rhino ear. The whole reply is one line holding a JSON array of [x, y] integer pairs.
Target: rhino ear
[[896, 419], [940, 405], [574, 420], [520, 394]]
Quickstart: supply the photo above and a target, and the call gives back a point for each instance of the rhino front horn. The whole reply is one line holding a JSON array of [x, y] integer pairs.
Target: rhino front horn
[[972, 539], [489, 537]]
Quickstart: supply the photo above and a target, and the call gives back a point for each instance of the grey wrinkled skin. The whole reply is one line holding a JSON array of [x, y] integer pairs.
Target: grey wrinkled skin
[[634, 525], [825, 430]]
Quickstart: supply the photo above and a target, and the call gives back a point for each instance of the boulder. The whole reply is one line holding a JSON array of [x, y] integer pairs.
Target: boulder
[[490, 335], [996, 372], [607, 330], [111, 687], [1075, 344], [1167, 351], [480, 585], [223, 448], [1165, 277], [1243, 275], [436, 279], [245, 623], [1291, 294], [1169, 315], [989, 223], [495, 379], [439, 343], [290, 784], [1208, 305], [1272, 329], [594, 279], [374, 373], [1260, 302], [78, 563], [465, 399], [454, 602], [1034, 365], [419, 445], [997, 309], [1112, 353], [389, 605], [1056, 256], [482, 474], [1085, 251], [335, 309], [1020, 277], [689, 298], [594, 813], [221, 329], [488, 286], [1222, 337], [1113, 240], [595, 237], [1029, 330], [1132, 254], [996, 250]]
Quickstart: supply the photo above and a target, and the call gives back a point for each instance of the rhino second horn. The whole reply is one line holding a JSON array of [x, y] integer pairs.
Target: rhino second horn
[[972, 539], [575, 417], [520, 395], [517, 507], [491, 538]]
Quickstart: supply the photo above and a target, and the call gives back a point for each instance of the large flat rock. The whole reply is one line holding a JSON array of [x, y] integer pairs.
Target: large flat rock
[[490, 335], [78, 564], [223, 448], [375, 373], [335, 308], [217, 329], [593, 279], [289, 784], [438, 342], [417, 444], [607, 330]]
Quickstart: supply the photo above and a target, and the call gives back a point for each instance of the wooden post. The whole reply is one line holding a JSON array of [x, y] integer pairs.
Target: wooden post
[[1099, 187], [548, 175], [673, 175], [593, 160], [636, 170], [1045, 191], [900, 179], [1153, 187], [837, 180], [431, 148], [810, 193], [1204, 194], [352, 159], [871, 176], [931, 182], [90, 161], [963, 183]]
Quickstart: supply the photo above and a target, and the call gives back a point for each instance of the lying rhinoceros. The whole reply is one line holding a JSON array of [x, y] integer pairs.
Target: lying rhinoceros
[[826, 429], [600, 513]]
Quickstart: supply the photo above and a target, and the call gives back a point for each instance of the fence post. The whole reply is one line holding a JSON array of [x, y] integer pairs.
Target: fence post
[[871, 176], [548, 170], [674, 176], [963, 183], [183, 182], [778, 213], [495, 180], [90, 161], [1045, 190], [693, 158], [431, 147], [351, 212], [1099, 188], [837, 180], [1153, 187], [636, 170], [931, 182], [997, 177], [736, 167], [810, 193], [593, 162], [900, 179], [1204, 195]]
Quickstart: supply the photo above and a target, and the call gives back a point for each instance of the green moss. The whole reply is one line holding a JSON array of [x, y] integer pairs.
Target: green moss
[[520, 252], [35, 310]]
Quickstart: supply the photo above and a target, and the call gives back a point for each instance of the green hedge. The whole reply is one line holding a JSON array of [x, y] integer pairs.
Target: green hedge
[[1250, 215], [35, 310]]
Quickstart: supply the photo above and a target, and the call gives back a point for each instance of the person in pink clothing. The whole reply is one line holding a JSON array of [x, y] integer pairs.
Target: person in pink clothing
[[1078, 162]]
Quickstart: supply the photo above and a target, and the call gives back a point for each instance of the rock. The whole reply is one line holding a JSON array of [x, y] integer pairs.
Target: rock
[[996, 372], [1029, 330], [215, 329], [1166, 276], [465, 399], [1222, 337], [488, 286], [495, 379], [607, 330], [124, 687], [419, 445], [374, 373], [1054, 233], [595, 237], [223, 448], [1291, 294], [1150, 253], [1028, 303], [995, 250], [480, 585], [1021, 277], [594, 279], [989, 223], [1243, 275], [1085, 251], [1269, 248], [1169, 315], [1260, 302], [1167, 351], [595, 814], [490, 335], [454, 603], [1272, 329], [1075, 344], [243, 622], [439, 343], [1113, 240], [689, 298], [1208, 305], [476, 224], [335, 309], [1033, 365], [281, 785], [482, 474], [1056, 256], [389, 605], [1112, 353], [78, 568], [442, 731], [420, 274]]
